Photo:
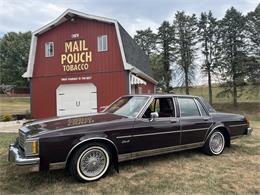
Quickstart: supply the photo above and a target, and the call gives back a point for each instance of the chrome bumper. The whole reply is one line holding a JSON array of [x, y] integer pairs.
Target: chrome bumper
[[15, 156], [249, 131]]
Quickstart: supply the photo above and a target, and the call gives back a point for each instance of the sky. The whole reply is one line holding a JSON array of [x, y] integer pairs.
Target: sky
[[25, 15], [29, 15]]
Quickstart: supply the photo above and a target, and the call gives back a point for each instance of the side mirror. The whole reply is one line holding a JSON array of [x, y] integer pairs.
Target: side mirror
[[153, 116]]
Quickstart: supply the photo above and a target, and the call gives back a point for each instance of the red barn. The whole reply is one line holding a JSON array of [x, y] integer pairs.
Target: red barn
[[80, 63]]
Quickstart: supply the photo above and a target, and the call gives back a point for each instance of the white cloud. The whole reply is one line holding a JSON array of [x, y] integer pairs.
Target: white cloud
[[26, 15], [141, 24]]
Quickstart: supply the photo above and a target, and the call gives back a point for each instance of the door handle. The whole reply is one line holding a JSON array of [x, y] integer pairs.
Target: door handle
[[173, 121], [206, 119]]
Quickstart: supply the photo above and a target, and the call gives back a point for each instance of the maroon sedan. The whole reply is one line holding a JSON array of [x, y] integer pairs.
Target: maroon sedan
[[133, 126]]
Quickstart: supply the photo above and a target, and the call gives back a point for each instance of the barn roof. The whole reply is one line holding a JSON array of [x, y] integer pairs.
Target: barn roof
[[134, 54], [134, 59]]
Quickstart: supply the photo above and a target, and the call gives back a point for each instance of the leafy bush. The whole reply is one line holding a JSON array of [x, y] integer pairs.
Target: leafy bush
[[7, 117]]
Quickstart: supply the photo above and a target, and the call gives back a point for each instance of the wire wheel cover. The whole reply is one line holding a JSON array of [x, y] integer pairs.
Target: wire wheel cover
[[217, 142], [93, 162]]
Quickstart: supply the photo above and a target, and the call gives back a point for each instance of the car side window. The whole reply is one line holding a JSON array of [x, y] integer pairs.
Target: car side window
[[188, 107], [163, 106], [202, 110]]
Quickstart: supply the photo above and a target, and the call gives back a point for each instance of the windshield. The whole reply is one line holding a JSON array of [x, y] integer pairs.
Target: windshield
[[208, 106], [128, 106]]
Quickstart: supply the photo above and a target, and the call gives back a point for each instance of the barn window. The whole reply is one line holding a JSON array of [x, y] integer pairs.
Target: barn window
[[102, 43], [49, 49]]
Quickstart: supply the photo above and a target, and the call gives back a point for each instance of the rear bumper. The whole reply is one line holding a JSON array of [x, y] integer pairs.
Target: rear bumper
[[15, 156], [249, 131]]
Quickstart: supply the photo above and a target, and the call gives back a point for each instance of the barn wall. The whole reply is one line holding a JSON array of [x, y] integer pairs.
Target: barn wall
[[109, 88], [88, 30], [105, 69]]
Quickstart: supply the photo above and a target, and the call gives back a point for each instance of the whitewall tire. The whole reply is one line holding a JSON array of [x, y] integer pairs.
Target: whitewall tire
[[215, 144], [90, 162]]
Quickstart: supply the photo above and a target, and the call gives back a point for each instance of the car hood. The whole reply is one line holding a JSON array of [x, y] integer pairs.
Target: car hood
[[56, 123]]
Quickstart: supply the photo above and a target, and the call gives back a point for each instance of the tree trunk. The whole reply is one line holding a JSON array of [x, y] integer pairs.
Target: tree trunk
[[234, 94], [210, 87], [186, 82], [209, 71]]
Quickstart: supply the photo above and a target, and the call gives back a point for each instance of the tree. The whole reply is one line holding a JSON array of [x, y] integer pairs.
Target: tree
[[158, 69], [253, 35], [14, 53], [208, 36], [185, 46], [233, 53], [146, 39], [165, 42]]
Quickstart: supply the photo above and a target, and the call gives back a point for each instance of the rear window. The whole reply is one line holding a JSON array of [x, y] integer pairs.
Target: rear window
[[188, 107]]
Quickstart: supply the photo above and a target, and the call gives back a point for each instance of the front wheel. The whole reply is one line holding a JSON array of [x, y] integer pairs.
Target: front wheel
[[90, 162], [215, 144]]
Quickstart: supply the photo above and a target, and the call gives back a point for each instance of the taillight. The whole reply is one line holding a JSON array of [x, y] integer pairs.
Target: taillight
[[247, 121]]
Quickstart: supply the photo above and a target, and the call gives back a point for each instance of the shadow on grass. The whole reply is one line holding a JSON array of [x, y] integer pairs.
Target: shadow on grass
[[20, 180], [175, 156]]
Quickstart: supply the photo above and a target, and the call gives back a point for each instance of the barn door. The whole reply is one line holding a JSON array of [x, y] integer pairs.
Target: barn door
[[76, 99]]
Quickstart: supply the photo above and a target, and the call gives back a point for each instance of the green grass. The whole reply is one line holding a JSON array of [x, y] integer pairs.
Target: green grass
[[14, 105], [21, 105], [236, 171]]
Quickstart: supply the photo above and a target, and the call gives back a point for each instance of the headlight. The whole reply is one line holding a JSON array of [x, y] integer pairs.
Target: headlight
[[31, 147]]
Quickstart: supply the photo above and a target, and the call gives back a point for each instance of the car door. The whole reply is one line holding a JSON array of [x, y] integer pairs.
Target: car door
[[194, 120], [161, 132]]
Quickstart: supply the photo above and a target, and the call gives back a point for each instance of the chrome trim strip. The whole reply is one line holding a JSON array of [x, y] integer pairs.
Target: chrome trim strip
[[240, 125], [200, 129], [143, 109], [85, 140], [161, 133], [125, 136], [124, 157], [196, 102], [153, 152]]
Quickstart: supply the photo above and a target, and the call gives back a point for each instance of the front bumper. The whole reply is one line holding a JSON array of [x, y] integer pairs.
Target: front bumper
[[15, 156]]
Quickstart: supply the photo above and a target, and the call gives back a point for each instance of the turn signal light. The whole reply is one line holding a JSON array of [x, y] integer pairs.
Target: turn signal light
[[31, 147], [35, 147]]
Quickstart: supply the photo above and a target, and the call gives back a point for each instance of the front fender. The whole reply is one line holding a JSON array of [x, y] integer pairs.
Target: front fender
[[96, 138]]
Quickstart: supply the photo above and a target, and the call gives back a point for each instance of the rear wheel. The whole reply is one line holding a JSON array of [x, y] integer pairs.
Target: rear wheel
[[215, 143], [90, 162]]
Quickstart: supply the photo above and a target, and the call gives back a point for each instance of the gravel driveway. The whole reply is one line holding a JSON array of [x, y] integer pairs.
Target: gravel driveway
[[11, 126]]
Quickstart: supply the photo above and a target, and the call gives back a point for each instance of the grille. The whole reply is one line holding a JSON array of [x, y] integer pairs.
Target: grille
[[22, 138]]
